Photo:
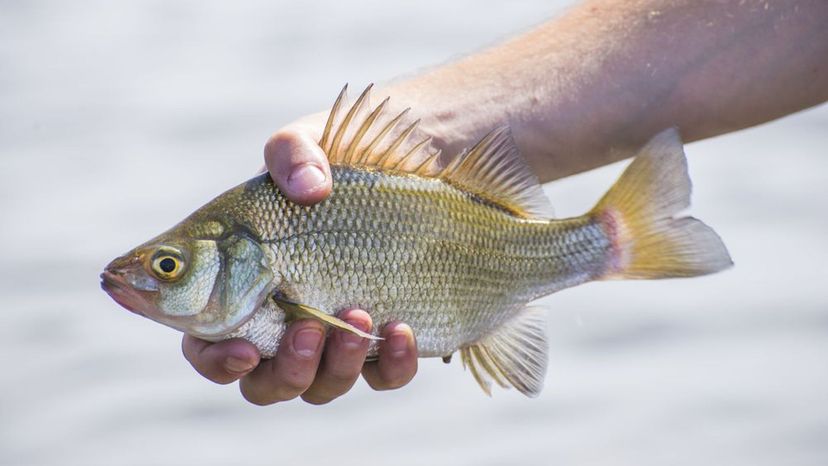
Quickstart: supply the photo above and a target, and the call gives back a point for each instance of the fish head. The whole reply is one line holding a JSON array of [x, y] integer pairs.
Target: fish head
[[206, 286]]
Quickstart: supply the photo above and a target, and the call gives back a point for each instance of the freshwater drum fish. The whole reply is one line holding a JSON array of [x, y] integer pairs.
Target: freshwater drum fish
[[454, 246]]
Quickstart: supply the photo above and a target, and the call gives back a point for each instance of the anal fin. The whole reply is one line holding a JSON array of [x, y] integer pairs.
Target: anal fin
[[304, 311], [514, 354]]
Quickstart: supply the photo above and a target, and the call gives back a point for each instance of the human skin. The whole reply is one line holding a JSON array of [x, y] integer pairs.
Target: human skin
[[579, 91]]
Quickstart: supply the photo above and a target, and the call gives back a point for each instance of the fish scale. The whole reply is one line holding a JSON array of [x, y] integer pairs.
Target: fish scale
[[409, 249]]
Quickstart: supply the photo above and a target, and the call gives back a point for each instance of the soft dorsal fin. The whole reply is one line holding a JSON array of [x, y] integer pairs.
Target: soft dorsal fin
[[514, 354], [492, 170]]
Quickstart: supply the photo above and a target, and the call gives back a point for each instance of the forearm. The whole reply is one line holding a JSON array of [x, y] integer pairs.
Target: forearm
[[591, 86]]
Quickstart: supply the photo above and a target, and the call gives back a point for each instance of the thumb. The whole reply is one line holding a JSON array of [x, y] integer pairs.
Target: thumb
[[298, 166]]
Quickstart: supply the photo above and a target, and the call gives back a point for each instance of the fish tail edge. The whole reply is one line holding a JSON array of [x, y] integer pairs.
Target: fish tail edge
[[639, 215]]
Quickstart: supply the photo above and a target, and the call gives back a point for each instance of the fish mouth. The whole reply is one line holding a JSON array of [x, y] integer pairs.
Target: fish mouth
[[123, 294]]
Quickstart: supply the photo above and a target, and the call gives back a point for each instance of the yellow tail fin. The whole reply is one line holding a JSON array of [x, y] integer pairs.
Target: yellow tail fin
[[639, 210]]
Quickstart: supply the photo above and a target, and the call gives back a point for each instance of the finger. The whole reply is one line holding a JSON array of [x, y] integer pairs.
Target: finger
[[292, 370], [222, 362], [298, 166], [342, 360], [397, 362]]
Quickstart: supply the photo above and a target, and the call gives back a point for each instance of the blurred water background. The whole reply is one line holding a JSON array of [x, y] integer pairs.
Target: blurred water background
[[118, 118]]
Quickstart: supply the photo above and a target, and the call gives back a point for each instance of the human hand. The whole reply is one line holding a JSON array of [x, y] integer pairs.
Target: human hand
[[307, 364]]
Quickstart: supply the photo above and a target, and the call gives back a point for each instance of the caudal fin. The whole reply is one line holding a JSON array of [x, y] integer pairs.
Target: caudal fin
[[639, 213]]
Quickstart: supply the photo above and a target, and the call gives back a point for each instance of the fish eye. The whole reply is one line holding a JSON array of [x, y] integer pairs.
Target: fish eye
[[167, 265]]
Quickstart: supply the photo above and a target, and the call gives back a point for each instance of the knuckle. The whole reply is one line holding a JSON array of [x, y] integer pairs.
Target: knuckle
[[392, 380], [210, 370], [378, 380], [393, 383], [261, 397], [374, 384], [258, 401], [189, 350], [185, 348], [329, 386], [265, 391], [255, 397], [379, 384], [340, 376], [291, 385], [290, 390], [221, 379], [317, 399]]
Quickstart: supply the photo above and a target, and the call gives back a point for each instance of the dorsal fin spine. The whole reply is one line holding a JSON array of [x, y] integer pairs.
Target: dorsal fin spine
[[343, 127], [411, 153], [397, 142], [331, 117], [452, 165], [379, 137], [429, 166], [366, 125]]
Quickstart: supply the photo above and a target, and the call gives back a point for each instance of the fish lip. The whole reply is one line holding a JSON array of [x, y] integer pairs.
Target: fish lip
[[109, 279], [116, 287]]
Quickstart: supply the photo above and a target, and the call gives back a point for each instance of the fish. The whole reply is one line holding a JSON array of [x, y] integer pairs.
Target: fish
[[455, 246]]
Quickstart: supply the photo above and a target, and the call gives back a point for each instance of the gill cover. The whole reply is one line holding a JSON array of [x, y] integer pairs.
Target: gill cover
[[243, 282]]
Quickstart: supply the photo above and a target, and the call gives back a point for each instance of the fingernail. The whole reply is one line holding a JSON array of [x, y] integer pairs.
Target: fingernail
[[306, 178], [237, 366], [306, 342], [349, 339], [398, 342]]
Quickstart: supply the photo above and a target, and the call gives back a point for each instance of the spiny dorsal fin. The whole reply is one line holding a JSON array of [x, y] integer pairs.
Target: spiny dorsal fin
[[492, 170], [514, 354], [374, 140]]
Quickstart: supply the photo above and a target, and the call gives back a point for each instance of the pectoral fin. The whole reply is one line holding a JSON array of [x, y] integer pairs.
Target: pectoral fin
[[303, 311], [514, 354]]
